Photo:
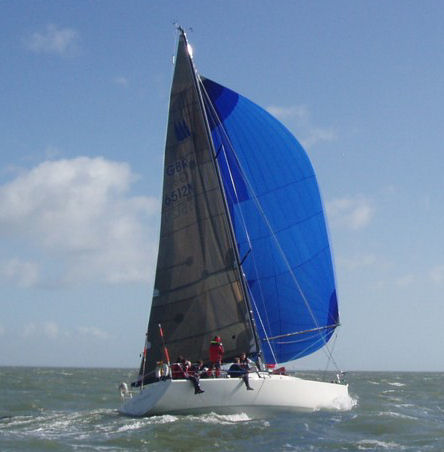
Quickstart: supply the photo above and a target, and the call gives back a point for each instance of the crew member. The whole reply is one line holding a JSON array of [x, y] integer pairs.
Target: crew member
[[162, 371], [216, 355], [181, 370], [236, 370]]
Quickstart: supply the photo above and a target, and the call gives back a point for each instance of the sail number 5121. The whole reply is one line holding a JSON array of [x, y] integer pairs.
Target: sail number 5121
[[178, 193]]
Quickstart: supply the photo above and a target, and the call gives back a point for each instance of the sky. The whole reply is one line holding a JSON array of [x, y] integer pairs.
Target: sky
[[83, 108]]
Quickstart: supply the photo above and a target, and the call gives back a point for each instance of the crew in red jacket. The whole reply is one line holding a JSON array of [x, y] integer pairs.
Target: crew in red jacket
[[216, 355]]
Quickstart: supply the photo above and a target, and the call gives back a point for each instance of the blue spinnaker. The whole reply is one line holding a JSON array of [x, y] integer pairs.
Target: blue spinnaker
[[279, 223]]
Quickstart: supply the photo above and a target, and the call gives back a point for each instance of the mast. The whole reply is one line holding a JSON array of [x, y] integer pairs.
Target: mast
[[225, 203]]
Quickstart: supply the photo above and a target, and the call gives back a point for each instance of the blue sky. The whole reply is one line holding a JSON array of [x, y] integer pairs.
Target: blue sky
[[84, 99]]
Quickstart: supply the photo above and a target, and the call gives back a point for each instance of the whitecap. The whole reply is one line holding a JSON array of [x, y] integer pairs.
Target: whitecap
[[396, 383], [371, 444], [397, 415], [133, 426], [345, 403], [214, 418], [165, 419]]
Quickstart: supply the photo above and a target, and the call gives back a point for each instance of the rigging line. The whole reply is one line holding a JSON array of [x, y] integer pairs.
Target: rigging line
[[263, 328], [331, 353], [198, 86], [330, 357], [303, 352], [218, 151], [246, 255], [176, 41], [311, 330], [218, 123], [215, 118], [262, 298]]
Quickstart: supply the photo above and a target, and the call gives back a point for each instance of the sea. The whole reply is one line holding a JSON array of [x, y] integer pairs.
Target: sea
[[66, 409]]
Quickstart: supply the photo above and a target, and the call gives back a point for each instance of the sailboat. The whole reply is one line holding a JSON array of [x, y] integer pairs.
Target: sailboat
[[243, 254]]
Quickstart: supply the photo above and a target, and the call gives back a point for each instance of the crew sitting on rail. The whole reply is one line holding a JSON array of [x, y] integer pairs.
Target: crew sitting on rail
[[247, 363], [237, 370], [178, 368], [198, 369]]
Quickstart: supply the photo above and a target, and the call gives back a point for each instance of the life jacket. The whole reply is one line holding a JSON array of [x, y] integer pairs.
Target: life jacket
[[216, 351], [245, 364], [178, 371], [236, 370]]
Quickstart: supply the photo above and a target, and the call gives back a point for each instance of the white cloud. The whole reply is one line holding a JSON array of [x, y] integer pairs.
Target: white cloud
[[298, 112], [122, 81], [54, 40], [18, 272], [29, 330], [405, 280], [299, 117], [78, 214], [92, 331], [437, 274], [351, 212], [49, 330], [317, 135], [355, 263]]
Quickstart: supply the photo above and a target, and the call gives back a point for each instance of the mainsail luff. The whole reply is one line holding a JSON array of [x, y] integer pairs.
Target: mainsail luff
[[198, 290]]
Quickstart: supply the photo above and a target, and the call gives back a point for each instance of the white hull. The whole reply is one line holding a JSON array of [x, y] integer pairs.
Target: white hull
[[229, 395]]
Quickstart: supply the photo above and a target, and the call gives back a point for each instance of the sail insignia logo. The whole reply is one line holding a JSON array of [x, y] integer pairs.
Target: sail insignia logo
[[181, 130]]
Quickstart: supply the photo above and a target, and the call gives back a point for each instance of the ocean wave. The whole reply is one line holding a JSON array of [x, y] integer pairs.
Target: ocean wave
[[139, 424], [345, 403], [397, 415], [395, 383], [214, 418], [164, 419], [50, 425], [372, 444]]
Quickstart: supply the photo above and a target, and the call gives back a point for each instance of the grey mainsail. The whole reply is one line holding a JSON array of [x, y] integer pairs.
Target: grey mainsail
[[198, 292]]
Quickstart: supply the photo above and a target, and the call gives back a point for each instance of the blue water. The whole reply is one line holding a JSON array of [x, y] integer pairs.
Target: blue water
[[44, 409]]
